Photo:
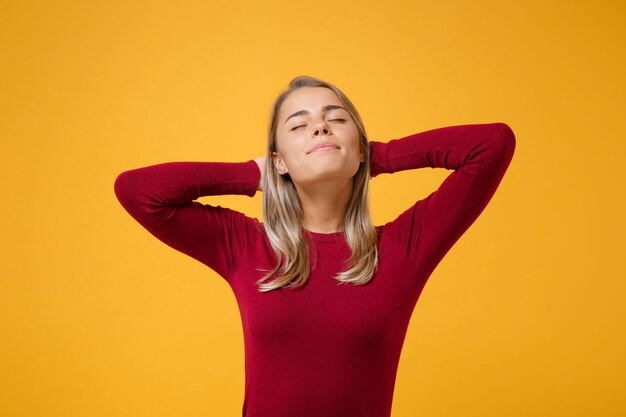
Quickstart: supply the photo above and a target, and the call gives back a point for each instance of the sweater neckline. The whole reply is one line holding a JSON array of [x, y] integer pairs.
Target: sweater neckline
[[324, 236]]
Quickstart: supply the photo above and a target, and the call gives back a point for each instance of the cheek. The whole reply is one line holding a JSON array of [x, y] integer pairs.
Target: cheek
[[355, 141], [289, 150], [354, 135], [290, 155]]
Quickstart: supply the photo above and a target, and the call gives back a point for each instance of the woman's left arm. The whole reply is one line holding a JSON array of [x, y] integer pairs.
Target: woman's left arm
[[479, 154]]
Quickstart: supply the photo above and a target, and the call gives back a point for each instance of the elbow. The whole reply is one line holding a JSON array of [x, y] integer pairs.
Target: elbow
[[504, 140], [124, 190]]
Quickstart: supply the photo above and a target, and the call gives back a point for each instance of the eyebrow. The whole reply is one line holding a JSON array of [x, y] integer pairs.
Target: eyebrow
[[324, 109]]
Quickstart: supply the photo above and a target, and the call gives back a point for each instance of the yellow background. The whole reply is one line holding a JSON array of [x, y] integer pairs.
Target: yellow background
[[525, 315]]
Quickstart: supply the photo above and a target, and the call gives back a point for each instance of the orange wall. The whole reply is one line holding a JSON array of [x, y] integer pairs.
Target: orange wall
[[524, 316]]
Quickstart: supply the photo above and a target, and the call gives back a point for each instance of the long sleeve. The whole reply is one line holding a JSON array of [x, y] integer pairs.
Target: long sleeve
[[479, 154], [161, 198]]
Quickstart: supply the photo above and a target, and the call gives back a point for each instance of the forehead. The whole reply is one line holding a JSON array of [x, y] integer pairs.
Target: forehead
[[308, 98]]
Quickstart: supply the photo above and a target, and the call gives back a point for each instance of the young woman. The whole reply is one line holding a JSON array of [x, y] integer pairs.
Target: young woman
[[325, 297]]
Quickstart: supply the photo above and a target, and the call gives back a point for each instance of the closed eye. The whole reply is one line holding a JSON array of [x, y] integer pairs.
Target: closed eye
[[332, 120]]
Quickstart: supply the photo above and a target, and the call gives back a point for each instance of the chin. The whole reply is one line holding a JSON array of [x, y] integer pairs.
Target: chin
[[330, 175]]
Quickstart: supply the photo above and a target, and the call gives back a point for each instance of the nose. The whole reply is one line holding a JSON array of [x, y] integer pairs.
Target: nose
[[321, 129]]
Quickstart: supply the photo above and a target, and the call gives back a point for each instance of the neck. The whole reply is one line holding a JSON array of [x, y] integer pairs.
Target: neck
[[324, 204]]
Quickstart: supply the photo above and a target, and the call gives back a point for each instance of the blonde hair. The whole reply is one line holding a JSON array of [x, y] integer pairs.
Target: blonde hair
[[282, 211]]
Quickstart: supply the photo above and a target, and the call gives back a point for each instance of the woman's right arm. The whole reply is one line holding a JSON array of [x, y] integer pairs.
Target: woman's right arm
[[162, 199]]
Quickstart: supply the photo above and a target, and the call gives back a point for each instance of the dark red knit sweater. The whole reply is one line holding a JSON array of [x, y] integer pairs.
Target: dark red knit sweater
[[325, 350]]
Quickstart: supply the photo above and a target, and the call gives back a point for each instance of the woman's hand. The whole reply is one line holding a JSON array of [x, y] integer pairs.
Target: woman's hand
[[261, 163]]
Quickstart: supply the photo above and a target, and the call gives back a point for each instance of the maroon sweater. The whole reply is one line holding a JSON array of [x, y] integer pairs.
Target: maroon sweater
[[325, 350]]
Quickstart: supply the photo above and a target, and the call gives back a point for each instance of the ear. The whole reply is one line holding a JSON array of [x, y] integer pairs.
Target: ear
[[279, 164]]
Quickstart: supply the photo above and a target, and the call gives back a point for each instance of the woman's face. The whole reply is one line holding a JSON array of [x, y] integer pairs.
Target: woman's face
[[311, 116]]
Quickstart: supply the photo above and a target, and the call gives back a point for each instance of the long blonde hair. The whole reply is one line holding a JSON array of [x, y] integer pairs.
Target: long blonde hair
[[282, 211]]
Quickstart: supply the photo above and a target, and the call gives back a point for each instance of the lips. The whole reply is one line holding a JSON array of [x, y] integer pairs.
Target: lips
[[324, 145]]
